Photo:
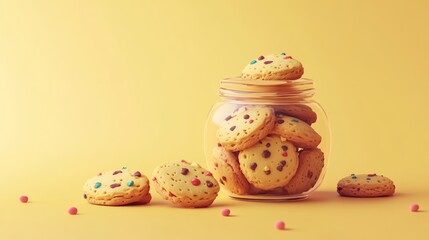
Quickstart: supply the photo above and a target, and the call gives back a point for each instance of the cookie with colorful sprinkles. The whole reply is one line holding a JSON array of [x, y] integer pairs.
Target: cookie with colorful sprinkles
[[119, 187], [273, 67], [246, 127], [365, 185], [269, 164], [185, 185]]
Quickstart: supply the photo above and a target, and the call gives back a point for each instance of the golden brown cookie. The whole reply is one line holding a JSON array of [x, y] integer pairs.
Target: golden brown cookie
[[311, 162], [365, 185], [246, 127], [296, 131], [227, 170], [269, 164], [185, 184], [299, 111], [119, 187], [273, 67]]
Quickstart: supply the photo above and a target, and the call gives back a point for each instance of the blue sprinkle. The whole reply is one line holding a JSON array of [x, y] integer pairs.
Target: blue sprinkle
[[294, 120], [253, 62], [283, 53], [130, 183], [97, 185]]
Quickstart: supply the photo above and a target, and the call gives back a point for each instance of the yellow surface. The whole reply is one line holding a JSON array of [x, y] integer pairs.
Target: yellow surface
[[88, 86]]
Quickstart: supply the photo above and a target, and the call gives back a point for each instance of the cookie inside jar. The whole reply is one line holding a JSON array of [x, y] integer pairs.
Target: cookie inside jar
[[268, 139]]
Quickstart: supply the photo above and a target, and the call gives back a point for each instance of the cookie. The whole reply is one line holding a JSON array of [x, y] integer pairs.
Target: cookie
[[115, 188], [269, 164], [311, 162], [227, 170], [273, 67], [365, 185], [246, 127], [302, 112], [296, 131], [185, 184]]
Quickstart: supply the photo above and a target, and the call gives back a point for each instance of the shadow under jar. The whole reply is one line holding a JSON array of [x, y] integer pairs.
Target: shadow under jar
[[267, 139]]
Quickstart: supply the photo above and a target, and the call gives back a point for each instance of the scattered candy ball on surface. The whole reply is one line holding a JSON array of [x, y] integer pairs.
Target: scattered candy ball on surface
[[23, 199], [280, 225], [414, 207], [226, 212], [72, 211]]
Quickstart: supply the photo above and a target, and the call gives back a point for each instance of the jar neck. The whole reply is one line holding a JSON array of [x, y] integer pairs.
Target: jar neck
[[269, 91]]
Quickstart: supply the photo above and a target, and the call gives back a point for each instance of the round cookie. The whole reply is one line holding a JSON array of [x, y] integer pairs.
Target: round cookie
[[185, 185], [296, 131], [273, 67], [269, 164], [311, 162], [227, 170], [245, 127], [365, 185], [302, 112], [115, 188]]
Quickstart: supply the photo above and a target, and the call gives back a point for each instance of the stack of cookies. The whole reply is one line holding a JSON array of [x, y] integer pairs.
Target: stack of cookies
[[265, 149]]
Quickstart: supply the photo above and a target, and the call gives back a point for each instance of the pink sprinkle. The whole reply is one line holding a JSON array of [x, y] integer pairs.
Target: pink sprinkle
[[117, 172], [23, 199], [209, 173], [268, 62], [115, 185], [261, 58], [183, 161], [284, 154], [287, 57], [72, 211], [280, 225], [251, 121], [196, 182], [414, 207], [372, 175], [225, 212]]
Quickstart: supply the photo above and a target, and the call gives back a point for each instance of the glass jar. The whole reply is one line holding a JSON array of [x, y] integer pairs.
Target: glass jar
[[267, 139]]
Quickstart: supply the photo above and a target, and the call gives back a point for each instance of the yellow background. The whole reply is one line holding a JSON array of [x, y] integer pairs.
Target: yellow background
[[88, 86]]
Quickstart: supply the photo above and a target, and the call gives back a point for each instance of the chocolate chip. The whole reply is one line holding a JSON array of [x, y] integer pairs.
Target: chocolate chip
[[280, 121], [268, 145], [115, 185], [209, 184], [266, 154], [268, 62], [232, 128], [358, 189], [216, 165], [267, 172], [261, 58], [309, 174], [228, 118], [184, 171], [253, 166], [246, 116], [117, 172], [339, 189], [283, 162], [224, 178], [221, 182], [285, 148], [84, 196], [280, 168], [137, 174], [219, 145]]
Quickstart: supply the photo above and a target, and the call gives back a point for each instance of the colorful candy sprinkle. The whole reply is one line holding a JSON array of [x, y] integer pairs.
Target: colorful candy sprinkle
[[23, 199], [246, 116], [208, 174], [280, 225], [261, 58], [268, 62], [115, 185], [287, 57], [130, 183], [72, 211], [368, 178], [284, 154], [124, 167], [294, 120], [196, 182], [225, 212], [84, 196], [280, 121], [414, 207], [97, 185], [228, 118], [219, 145], [209, 184], [267, 170], [117, 172], [232, 128], [283, 162], [184, 171], [285, 148], [309, 174], [266, 154], [99, 174], [354, 177], [137, 174], [372, 175], [224, 178], [280, 167], [253, 166], [251, 121], [253, 62]]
